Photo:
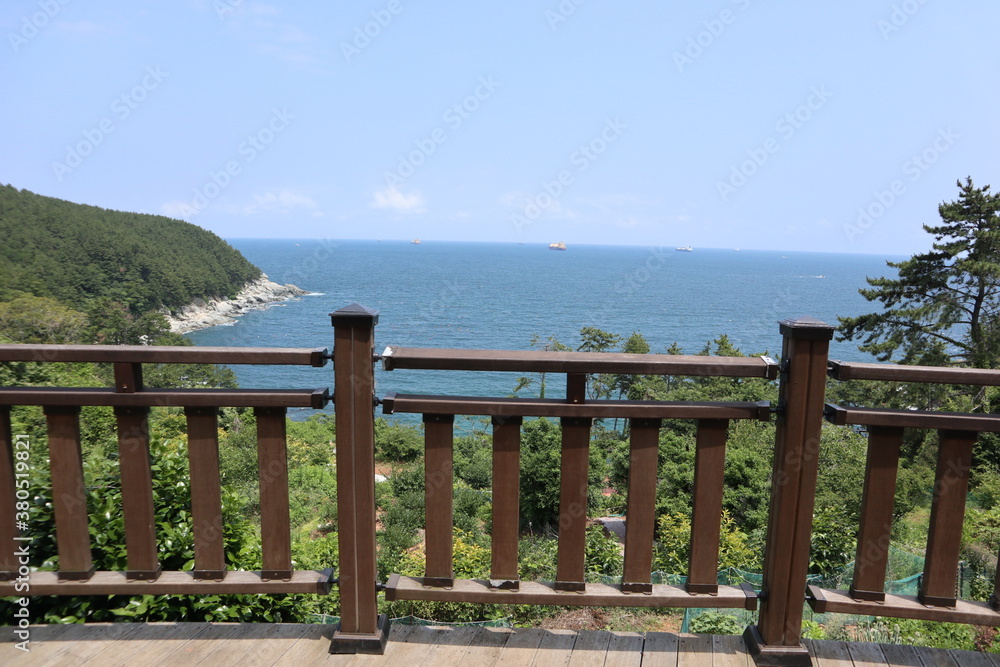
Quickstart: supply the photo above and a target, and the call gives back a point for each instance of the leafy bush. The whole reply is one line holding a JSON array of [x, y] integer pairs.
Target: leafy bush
[[716, 623], [172, 498], [397, 442]]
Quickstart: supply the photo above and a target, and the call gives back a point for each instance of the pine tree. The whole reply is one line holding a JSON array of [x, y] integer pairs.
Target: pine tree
[[943, 307]]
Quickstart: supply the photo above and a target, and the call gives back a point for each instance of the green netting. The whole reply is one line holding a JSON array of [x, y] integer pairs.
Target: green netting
[[504, 622], [903, 574]]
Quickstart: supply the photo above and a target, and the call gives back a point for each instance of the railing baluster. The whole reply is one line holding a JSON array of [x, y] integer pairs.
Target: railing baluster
[[574, 475], [506, 508], [944, 539], [8, 504], [876, 513], [361, 627], [206, 493], [640, 517], [438, 494], [69, 498], [137, 493], [275, 524], [709, 471]]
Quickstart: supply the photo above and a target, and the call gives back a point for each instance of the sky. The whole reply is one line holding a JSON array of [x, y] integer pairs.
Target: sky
[[814, 126]]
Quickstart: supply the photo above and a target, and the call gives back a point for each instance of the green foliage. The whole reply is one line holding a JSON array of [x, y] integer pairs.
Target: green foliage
[[716, 623], [672, 552], [473, 460], [833, 540], [33, 319], [312, 495], [76, 254], [172, 498], [812, 630], [397, 442], [603, 553], [541, 457], [929, 633], [943, 306]]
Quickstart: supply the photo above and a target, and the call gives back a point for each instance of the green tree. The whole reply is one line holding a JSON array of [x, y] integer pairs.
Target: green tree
[[40, 319], [944, 305]]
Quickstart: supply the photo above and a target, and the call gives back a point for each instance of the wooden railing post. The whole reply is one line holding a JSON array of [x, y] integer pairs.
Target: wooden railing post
[[361, 629], [776, 640]]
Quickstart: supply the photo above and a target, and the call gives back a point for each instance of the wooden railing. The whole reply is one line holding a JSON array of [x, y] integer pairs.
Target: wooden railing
[[576, 413], [937, 598], [775, 639], [132, 402]]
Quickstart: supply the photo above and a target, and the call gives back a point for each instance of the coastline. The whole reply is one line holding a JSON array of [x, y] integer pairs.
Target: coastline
[[256, 295]]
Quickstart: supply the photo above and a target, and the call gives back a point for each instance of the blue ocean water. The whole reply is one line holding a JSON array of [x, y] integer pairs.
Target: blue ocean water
[[498, 296]]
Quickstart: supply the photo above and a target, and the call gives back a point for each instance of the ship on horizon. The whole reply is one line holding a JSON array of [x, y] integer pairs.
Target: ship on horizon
[[685, 248], [561, 245]]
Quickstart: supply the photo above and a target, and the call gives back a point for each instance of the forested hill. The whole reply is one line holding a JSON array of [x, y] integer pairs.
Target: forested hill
[[77, 253]]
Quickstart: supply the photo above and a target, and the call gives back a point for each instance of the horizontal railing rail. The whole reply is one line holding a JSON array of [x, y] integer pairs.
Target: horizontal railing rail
[[841, 370], [151, 354], [528, 361], [937, 598]]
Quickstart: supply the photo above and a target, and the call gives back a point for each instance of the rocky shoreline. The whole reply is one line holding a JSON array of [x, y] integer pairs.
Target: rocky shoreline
[[256, 295]]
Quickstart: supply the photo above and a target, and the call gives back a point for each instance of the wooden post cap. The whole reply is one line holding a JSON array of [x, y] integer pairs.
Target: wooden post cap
[[807, 328], [354, 315]]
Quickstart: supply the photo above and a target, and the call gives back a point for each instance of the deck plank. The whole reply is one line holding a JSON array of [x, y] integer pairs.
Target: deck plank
[[827, 653], [937, 658], [70, 644], [867, 655], [488, 646], [901, 655], [624, 650], [659, 649], [313, 648], [446, 644], [521, 647], [730, 651], [971, 658], [591, 648], [154, 642], [555, 648], [397, 645], [301, 645], [694, 650]]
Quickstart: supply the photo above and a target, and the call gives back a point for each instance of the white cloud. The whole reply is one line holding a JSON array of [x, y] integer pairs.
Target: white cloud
[[284, 201], [392, 198]]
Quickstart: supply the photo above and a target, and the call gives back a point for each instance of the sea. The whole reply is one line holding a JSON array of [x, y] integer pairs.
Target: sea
[[505, 295]]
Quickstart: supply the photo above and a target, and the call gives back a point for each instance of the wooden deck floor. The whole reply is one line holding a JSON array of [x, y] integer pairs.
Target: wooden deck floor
[[253, 645]]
